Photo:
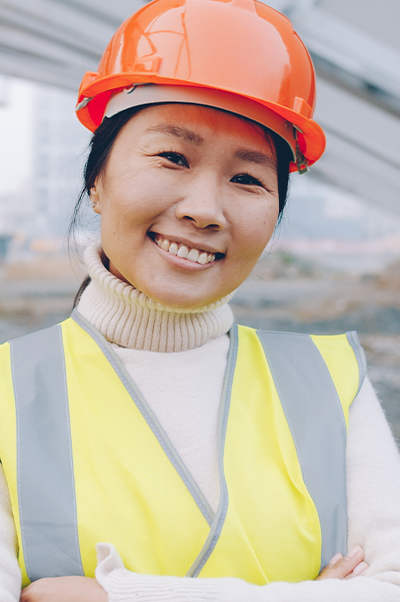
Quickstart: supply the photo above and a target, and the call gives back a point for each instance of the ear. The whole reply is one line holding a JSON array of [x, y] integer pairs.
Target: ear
[[95, 197]]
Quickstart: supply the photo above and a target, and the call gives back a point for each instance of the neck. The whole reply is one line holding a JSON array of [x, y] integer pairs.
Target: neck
[[129, 318]]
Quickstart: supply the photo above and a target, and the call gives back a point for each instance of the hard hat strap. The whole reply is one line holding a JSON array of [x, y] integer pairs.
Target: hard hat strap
[[301, 161]]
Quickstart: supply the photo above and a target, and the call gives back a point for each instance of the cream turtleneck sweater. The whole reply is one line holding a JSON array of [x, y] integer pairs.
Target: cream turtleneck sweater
[[185, 397], [127, 317]]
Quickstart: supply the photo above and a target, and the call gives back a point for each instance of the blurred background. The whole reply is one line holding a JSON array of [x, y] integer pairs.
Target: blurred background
[[334, 262]]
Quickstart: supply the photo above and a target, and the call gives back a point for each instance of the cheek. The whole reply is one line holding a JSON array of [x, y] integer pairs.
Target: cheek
[[256, 227], [134, 201]]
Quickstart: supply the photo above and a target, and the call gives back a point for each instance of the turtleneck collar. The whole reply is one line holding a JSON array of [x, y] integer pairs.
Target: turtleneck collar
[[129, 318]]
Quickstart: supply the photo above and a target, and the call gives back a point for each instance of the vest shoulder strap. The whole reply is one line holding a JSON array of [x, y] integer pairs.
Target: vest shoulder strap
[[316, 417], [41, 398]]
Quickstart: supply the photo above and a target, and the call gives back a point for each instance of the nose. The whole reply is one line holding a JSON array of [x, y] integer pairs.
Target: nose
[[203, 205]]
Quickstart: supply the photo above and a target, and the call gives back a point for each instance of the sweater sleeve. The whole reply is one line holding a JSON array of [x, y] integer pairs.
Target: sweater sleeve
[[10, 574], [373, 472]]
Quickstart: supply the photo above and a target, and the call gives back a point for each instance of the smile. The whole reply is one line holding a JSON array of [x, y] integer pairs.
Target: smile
[[180, 250]]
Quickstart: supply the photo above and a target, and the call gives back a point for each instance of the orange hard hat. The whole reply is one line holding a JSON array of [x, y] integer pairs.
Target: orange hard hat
[[237, 55]]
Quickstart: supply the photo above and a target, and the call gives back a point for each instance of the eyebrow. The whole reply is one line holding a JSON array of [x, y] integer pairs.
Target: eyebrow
[[256, 157], [175, 130], [187, 134]]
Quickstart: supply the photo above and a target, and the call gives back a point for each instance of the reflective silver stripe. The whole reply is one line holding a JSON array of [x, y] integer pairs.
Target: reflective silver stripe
[[360, 356], [46, 490], [315, 417], [220, 515], [148, 415]]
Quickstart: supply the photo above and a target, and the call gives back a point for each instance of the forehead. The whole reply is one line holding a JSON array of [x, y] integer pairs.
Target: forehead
[[205, 122]]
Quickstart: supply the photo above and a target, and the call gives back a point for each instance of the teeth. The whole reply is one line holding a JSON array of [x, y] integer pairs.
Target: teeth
[[193, 255], [183, 251]]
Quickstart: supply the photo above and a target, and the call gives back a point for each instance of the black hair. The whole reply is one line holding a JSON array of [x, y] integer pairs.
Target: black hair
[[99, 150]]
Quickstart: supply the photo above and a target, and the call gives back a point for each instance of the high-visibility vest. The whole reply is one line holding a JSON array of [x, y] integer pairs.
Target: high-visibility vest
[[87, 461]]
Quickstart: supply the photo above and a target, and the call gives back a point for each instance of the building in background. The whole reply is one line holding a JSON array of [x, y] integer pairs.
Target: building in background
[[59, 150], [42, 156]]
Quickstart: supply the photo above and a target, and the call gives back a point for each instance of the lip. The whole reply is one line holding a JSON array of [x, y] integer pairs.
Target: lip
[[179, 262], [200, 246]]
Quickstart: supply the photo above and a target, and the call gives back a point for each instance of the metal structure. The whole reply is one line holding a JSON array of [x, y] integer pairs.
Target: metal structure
[[355, 46]]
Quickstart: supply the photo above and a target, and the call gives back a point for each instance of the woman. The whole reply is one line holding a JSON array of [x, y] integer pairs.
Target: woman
[[147, 421]]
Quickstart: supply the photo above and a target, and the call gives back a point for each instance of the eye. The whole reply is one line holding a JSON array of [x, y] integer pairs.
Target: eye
[[176, 158], [246, 179]]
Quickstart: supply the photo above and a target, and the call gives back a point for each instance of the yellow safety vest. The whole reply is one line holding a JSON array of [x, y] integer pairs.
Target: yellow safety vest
[[86, 460]]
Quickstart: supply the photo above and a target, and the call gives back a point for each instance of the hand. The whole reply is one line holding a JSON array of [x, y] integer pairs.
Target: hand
[[345, 567], [64, 589]]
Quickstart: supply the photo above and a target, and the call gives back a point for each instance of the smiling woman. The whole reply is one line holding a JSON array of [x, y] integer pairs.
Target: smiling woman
[[148, 425]]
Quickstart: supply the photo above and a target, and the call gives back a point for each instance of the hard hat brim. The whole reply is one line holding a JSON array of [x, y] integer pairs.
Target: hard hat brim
[[293, 127]]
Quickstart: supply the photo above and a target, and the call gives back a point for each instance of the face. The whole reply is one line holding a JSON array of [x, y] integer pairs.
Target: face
[[188, 201]]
